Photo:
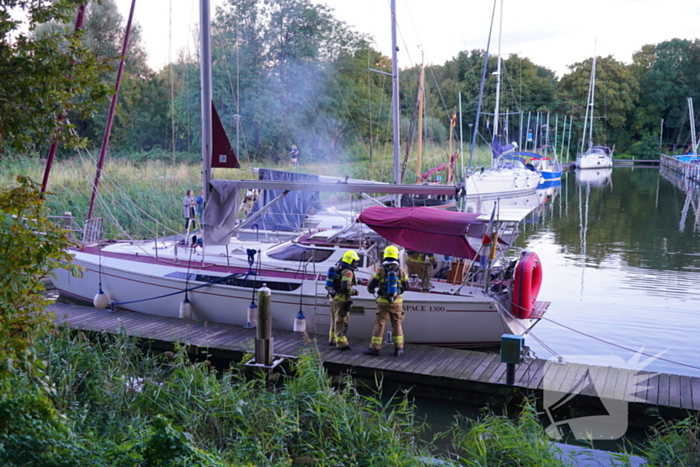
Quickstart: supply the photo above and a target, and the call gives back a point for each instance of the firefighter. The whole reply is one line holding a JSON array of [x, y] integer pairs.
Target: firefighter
[[341, 302], [419, 264], [389, 281]]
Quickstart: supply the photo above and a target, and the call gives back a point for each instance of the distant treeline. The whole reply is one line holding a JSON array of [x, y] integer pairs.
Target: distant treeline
[[289, 72]]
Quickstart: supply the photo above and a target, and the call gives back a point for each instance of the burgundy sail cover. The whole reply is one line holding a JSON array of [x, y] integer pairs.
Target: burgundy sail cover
[[222, 154], [423, 229]]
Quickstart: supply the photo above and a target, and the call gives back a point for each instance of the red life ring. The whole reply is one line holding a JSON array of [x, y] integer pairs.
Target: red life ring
[[526, 285]]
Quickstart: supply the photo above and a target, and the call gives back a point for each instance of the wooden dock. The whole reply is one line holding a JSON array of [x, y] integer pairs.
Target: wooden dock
[[437, 372]]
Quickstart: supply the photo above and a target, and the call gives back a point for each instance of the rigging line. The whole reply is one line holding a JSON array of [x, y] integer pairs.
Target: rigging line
[[118, 200], [403, 40], [235, 90], [172, 78], [347, 109], [442, 98], [623, 347]]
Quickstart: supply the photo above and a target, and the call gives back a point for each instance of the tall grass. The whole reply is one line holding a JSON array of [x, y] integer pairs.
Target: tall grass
[[105, 402], [112, 395], [141, 196]]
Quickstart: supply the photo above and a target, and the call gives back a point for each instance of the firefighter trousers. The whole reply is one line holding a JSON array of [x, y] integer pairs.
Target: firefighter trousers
[[393, 312], [339, 323]]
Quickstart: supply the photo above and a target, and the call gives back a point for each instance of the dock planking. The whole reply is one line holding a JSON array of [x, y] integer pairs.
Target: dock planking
[[468, 371]]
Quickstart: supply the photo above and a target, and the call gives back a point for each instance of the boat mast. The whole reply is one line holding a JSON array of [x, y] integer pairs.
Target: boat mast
[[498, 75], [590, 130], [395, 93], [693, 136], [112, 109], [79, 18], [205, 69], [421, 90], [481, 89]]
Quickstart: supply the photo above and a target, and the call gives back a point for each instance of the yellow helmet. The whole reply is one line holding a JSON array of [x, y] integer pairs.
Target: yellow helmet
[[350, 256], [391, 252]]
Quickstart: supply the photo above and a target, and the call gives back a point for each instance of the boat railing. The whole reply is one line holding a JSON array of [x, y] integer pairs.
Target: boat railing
[[68, 223]]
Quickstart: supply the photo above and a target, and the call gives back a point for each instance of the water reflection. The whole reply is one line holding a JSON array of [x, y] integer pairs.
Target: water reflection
[[594, 177], [620, 251], [692, 197]]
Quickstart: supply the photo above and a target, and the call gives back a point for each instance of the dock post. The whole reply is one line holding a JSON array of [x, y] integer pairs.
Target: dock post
[[264, 340], [511, 355], [510, 374]]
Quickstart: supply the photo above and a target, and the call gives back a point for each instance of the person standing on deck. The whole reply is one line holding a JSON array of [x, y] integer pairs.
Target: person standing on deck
[[389, 281], [341, 301], [200, 207], [419, 264], [188, 206], [294, 153]]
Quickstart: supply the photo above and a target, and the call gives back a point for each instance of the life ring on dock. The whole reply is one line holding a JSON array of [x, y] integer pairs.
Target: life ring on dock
[[526, 285]]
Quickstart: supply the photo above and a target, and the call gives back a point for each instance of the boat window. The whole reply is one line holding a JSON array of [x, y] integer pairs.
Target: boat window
[[237, 280], [296, 252]]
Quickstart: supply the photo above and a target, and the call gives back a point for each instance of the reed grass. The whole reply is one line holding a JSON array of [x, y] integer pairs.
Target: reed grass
[[112, 395], [141, 197], [106, 402]]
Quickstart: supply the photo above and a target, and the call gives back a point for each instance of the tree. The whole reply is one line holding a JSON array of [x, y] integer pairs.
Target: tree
[[616, 95], [668, 75], [31, 246], [43, 76]]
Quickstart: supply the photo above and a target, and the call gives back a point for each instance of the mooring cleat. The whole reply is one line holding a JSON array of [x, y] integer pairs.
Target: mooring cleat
[[398, 352], [371, 352]]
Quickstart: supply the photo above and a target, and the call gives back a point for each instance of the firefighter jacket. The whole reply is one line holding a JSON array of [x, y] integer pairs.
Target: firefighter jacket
[[347, 285], [418, 257]]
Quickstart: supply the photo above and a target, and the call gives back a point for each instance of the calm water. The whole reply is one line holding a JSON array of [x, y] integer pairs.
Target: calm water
[[621, 258]]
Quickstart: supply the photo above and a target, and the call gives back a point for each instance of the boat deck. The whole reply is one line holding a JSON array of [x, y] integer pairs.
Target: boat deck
[[438, 372]]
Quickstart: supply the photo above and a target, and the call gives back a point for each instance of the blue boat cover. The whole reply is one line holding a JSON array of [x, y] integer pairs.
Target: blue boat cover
[[287, 214]]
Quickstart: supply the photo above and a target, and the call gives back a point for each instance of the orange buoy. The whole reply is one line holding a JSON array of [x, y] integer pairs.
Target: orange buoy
[[526, 285]]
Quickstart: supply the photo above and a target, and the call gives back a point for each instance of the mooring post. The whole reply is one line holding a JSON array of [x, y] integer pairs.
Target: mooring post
[[511, 355], [264, 340]]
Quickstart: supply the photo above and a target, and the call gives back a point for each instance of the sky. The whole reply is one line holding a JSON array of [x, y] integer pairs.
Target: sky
[[552, 33]]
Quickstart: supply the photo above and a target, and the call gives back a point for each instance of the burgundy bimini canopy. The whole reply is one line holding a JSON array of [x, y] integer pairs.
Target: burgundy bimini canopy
[[428, 230]]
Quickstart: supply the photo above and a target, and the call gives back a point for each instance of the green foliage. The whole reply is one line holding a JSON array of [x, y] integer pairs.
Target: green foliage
[[170, 445], [31, 246], [43, 76], [647, 148], [676, 444], [499, 440], [32, 432], [132, 406]]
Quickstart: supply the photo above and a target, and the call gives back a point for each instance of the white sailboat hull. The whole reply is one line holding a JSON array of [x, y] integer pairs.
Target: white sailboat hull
[[470, 319], [501, 182], [593, 161]]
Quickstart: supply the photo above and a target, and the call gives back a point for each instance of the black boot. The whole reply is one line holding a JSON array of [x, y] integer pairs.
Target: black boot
[[347, 347], [371, 352], [398, 352]]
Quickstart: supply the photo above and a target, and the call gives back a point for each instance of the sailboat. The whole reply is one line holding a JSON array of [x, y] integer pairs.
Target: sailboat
[[507, 176], [491, 288], [595, 157]]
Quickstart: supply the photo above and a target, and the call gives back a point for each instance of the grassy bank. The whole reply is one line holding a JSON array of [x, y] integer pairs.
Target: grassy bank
[[104, 402], [140, 196]]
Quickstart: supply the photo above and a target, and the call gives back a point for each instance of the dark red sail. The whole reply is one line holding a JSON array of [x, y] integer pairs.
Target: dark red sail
[[222, 154]]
